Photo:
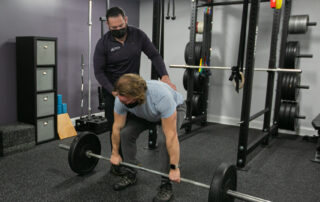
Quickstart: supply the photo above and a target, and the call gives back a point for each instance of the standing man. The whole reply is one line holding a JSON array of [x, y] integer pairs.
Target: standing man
[[119, 52], [148, 102]]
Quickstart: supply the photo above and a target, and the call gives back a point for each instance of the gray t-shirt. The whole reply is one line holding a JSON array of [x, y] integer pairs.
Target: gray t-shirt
[[161, 102]]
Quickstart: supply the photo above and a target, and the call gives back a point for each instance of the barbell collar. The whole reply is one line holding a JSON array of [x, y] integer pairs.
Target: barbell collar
[[305, 56], [229, 68], [312, 24]]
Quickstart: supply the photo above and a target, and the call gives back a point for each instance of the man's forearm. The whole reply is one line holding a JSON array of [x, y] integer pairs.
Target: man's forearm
[[115, 140], [173, 148]]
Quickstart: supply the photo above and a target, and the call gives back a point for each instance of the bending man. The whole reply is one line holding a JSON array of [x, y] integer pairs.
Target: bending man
[[138, 105]]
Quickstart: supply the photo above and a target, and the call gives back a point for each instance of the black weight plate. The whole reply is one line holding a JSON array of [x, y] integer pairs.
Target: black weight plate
[[198, 81], [78, 160], [197, 53], [291, 88], [282, 115], [287, 115], [196, 105], [292, 51], [284, 86], [185, 79], [224, 179], [291, 125]]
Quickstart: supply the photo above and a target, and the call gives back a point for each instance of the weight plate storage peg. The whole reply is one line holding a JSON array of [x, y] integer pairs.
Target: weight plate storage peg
[[77, 156]]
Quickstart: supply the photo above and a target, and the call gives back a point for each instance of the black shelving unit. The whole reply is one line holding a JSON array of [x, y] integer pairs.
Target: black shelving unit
[[37, 84]]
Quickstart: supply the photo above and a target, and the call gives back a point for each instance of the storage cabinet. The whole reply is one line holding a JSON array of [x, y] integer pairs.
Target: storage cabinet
[[37, 84]]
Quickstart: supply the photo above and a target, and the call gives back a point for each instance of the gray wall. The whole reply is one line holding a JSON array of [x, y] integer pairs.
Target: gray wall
[[224, 103], [66, 20]]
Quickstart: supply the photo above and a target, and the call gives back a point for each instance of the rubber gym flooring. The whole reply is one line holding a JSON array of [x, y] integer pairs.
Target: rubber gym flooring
[[281, 172]]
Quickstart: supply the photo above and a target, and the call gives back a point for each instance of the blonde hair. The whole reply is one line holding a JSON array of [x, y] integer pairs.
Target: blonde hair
[[132, 85]]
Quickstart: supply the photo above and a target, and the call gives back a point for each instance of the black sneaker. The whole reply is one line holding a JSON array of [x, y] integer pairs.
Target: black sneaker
[[125, 181], [165, 193], [118, 170]]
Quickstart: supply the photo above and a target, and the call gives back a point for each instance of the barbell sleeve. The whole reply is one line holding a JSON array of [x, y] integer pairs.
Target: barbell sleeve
[[229, 68], [245, 197], [65, 147]]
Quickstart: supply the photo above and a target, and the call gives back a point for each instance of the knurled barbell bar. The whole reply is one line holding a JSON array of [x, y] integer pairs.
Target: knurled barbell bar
[[293, 54], [298, 24], [229, 68], [84, 154]]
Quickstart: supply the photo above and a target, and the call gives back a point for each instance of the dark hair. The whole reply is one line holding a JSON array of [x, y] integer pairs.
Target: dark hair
[[132, 85], [114, 12]]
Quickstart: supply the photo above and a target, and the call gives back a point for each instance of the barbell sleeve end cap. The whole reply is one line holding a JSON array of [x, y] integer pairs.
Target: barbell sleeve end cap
[[63, 146]]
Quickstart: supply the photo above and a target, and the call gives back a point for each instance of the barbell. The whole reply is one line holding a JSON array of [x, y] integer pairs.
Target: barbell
[[84, 154], [229, 68]]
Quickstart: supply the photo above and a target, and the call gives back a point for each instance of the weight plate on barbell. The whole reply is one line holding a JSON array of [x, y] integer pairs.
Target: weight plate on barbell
[[79, 162], [224, 179]]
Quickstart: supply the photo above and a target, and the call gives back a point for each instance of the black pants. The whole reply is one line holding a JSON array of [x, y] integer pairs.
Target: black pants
[[108, 112]]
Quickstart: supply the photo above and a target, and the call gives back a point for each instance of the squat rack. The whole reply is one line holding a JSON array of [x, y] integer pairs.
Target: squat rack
[[244, 149]]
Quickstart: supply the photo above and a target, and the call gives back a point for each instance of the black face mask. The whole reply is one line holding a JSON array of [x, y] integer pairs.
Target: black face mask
[[119, 33], [132, 105]]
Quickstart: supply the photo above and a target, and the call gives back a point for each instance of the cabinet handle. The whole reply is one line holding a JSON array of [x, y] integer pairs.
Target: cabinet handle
[[45, 47], [45, 98], [44, 73], [45, 123]]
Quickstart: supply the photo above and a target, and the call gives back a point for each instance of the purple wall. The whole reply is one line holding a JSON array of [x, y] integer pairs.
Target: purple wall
[[66, 20]]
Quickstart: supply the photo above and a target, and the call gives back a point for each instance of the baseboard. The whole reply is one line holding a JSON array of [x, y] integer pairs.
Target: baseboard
[[303, 131], [73, 120]]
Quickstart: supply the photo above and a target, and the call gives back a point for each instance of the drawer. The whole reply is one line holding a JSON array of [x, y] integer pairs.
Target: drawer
[[45, 78], [45, 104], [45, 129], [46, 53]]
